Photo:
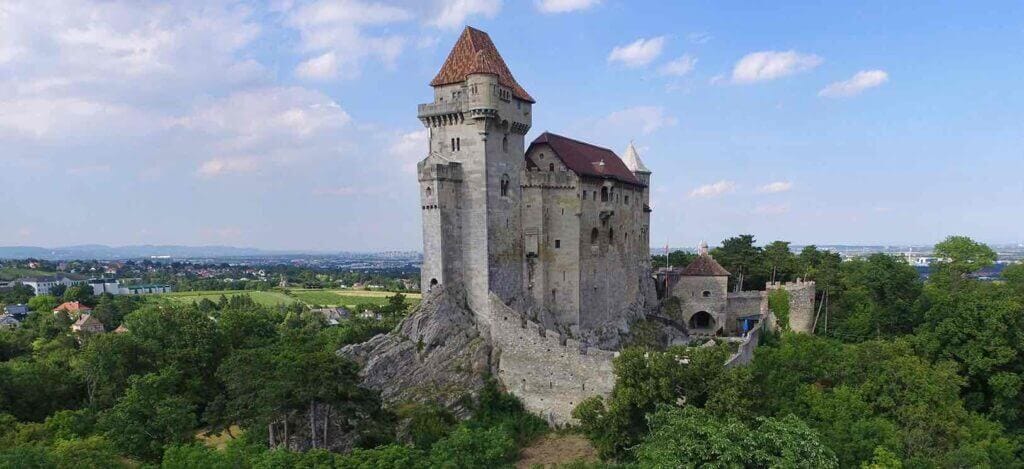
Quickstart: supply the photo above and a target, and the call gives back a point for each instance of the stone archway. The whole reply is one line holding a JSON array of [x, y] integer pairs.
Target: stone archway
[[701, 320]]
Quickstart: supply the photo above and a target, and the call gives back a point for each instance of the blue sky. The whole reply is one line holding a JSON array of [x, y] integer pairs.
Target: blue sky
[[291, 124]]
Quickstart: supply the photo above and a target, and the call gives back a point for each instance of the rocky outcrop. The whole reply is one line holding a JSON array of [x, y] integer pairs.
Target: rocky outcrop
[[436, 355]]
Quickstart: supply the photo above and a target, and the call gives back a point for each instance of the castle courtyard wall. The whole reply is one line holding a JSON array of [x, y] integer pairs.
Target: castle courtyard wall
[[550, 376]]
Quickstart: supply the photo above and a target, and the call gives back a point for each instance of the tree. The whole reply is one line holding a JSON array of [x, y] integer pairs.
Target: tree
[[743, 260], [675, 259], [878, 298], [779, 262], [690, 437], [42, 303], [962, 255], [645, 379], [150, 415], [979, 326], [106, 363], [80, 293]]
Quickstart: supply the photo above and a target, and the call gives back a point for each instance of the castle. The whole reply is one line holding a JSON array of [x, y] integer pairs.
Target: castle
[[547, 244], [708, 308], [558, 230]]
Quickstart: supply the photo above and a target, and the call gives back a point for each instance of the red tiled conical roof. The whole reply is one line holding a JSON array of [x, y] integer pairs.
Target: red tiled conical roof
[[475, 53], [705, 266]]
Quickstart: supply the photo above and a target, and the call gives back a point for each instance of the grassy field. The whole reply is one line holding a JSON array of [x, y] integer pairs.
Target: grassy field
[[348, 298], [11, 273], [266, 298]]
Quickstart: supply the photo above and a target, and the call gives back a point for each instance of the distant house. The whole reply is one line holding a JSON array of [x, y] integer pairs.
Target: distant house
[[18, 311], [86, 324], [73, 308], [121, 329], [333, 316], [42, 285], [9, 322]]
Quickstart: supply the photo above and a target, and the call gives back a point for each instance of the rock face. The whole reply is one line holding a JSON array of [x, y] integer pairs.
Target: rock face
[[436, 355]]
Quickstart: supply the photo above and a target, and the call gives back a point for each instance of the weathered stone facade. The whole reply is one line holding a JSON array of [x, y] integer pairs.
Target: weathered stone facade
[[548, 245], [708, 308]]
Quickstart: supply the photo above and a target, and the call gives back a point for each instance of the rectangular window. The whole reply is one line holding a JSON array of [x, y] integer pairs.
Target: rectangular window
[[558, 243]]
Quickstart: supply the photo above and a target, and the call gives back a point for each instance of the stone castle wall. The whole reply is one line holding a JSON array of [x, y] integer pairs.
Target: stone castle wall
[[550, 375], [801, 303]]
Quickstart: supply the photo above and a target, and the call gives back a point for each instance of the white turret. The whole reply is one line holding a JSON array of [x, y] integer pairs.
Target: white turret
[[702, 249], [632, 160]]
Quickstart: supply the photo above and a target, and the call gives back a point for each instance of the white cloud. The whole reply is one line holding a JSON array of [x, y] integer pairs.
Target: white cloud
[[679, 67], [855, 85], [564, 6], [409, 148], [339, 33], [645, 119], [454, 13], [775, 187], [275, 124], [638, 53], [220, 166], [769, 65], [322, 67], [714, 190]]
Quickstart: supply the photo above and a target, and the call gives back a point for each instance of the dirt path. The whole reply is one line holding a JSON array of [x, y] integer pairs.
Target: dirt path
[[556, 449]]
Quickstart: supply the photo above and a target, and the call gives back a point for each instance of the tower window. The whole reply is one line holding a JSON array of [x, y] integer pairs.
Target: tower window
[[558, 243], [627, 199], [429, 192], [504, 185], [551, 167], [593, 236], [458, 144], [611, 235], [604, 194], [706, 294], [504, 144]]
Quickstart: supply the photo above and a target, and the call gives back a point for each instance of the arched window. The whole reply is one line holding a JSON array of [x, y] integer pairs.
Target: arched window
[[593, 236], [604, 194], [706, 294], [429, 192], [504, 144], [551, 167], [504, 185], [433, 283]]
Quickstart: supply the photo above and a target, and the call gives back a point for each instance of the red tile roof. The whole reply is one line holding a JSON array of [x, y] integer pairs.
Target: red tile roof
[[475, 53], [72, 307], [587, 160], [705, 266]]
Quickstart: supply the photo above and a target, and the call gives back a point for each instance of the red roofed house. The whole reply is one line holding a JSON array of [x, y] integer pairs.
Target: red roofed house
[[73, 308], [561, 225]]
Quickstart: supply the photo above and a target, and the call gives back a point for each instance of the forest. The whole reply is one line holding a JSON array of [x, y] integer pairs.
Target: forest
[[907, 373]]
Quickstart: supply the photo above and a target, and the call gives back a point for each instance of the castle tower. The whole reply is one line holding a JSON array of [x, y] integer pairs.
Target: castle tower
[[636, 165], [470, 181]]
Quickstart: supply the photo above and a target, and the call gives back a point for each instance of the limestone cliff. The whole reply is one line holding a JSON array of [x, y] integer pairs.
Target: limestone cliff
[[436, 355]]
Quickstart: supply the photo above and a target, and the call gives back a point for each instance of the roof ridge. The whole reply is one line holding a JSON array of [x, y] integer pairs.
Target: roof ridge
[[581, 142]]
